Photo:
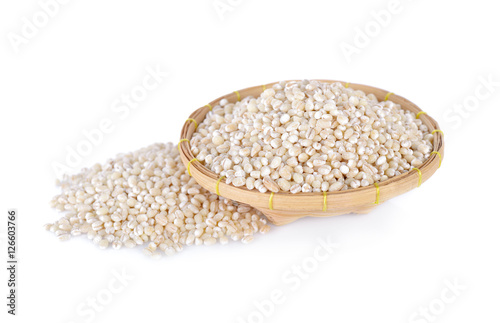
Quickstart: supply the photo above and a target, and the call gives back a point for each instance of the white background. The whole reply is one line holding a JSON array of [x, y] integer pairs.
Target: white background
[[63, 80]]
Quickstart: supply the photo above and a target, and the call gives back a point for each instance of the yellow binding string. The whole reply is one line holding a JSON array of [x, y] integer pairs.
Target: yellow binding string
[[193, 121], [377, 197], [419, 176], [271, 201], [263, 88], [387, 96], [440, 158], [217, 185], [209, 106], [238, 94], [437, 130], [189, 164], [347, 84], [179, 144], [420, 113], [324, 201]]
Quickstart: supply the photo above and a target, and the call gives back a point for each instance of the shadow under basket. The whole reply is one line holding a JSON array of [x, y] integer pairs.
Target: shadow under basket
[[281, 208]]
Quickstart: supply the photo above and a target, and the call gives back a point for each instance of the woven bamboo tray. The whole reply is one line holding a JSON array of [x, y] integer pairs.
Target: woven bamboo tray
[[281, 208]]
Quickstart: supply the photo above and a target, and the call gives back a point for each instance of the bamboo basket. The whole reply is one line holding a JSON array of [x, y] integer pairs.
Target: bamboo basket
[[282, 208]]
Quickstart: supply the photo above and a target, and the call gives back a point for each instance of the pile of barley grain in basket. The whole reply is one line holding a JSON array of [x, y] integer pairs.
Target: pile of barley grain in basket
[[306, 136], [310, 136]]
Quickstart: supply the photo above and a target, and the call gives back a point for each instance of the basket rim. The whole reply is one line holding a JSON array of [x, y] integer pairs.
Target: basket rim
[[367, 195]]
